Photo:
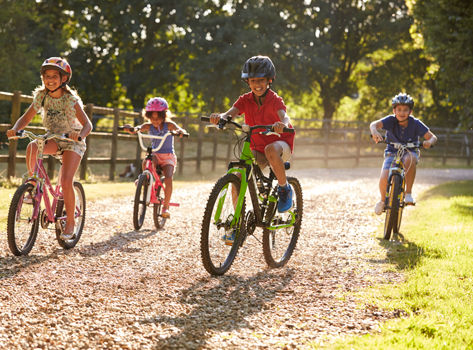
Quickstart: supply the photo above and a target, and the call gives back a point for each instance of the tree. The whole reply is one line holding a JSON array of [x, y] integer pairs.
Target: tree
[[446, 28]]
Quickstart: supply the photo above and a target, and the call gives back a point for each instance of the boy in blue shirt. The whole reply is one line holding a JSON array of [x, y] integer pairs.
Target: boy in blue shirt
[[400, 127]]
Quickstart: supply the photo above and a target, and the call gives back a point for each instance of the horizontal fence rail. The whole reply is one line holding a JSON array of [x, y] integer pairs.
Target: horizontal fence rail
[[315, 141]]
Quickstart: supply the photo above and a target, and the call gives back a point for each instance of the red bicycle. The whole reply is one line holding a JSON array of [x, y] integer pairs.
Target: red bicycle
[[25, 214], [150, 183]]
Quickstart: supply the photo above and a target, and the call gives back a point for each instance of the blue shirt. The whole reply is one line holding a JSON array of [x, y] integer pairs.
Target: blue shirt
[[168, 145], [396, 133]]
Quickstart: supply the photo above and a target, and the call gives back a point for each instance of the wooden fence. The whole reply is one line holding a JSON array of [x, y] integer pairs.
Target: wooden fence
[[343, 141]]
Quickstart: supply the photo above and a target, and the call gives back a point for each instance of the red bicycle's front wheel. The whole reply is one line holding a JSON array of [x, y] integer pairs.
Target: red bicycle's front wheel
[[141, 201], [22, 229]]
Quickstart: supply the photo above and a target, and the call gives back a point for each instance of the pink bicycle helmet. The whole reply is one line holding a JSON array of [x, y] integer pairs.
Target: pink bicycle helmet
[[156, 104], [59, 64]]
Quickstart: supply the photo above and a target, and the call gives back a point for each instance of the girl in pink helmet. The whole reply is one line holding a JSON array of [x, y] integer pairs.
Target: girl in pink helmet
[[159, 116], [62, 113]]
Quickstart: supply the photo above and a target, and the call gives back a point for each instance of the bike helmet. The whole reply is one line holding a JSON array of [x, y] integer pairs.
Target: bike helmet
[[156, 104], [258, 67], [57, 63], [403, 99]]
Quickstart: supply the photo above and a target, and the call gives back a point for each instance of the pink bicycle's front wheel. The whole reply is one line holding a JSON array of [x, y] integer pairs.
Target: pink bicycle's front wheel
[[22, 228]]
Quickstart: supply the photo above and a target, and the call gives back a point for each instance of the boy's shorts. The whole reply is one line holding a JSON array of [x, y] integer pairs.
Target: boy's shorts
[[389, 158], [263, 161], [166, 159]]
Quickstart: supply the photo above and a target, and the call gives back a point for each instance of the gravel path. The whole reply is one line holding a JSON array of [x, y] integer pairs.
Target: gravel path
[[138, 290]]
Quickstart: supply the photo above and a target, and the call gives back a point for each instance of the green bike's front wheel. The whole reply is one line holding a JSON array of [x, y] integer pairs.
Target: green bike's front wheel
[[279, 243], [393, 220], [217, 253], [22, 229]]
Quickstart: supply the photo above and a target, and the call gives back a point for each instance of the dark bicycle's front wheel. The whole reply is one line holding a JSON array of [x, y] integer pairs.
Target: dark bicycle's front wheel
[[22, 229], [158, 219], [218, 254], [279, 243], [393, 218], [141, 201], [79, 217]]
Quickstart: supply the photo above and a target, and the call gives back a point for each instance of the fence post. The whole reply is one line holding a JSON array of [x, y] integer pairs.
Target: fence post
[[15, 114], [468, 149], [326, 129], [89, 110], [445, 149], [182, 144], [51, 166], [199, 148], [214, 154], [113, 160], [358, 148]]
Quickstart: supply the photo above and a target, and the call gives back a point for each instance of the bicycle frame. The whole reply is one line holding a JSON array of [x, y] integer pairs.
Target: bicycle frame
[[43, 188], [150, 170], [247, 168]]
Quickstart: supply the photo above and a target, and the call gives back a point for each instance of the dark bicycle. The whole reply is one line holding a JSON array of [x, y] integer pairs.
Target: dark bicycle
[[396, 189], [225, 213]]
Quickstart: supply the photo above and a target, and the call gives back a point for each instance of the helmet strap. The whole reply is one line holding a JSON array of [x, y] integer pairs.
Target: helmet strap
[[259, 100], [48, 91]]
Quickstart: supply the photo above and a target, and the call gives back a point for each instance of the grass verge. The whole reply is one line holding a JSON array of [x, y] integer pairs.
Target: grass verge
[[437, 295]]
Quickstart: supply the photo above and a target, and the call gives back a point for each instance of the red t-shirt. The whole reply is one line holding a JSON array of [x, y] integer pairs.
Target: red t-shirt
[[263, 115]]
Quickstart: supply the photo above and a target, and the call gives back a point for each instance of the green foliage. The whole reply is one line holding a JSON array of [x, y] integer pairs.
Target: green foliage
[[446, 27]]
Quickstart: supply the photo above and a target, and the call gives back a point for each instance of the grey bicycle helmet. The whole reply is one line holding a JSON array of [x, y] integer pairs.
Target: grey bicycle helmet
[[258, 67], [403, 99]]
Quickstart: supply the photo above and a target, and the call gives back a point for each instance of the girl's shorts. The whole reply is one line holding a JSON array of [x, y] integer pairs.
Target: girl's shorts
[[77, 147], [389, 158], [263, 161], [166, 159]]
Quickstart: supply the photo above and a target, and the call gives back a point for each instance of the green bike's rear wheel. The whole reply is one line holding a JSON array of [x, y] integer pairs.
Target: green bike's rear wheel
[[392, 221], [279, 244], [217, 255], [22, 230]]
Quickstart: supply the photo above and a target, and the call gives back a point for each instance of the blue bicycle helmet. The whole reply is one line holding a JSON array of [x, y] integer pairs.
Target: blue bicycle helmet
[[403, 99]]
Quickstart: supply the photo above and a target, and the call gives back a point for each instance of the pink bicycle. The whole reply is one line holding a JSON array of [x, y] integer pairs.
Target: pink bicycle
[[25, 214], [149, 185]]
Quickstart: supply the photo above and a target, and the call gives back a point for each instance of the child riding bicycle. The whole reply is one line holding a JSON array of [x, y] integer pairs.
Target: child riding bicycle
[[62, 113], [159, 115], [403, 128], [262, 106]]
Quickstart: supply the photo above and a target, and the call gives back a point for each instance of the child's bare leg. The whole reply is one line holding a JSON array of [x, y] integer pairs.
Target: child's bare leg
[[273, 153], [410, 166], [383, 183], [70, 163], [168, 171], [32, 151]]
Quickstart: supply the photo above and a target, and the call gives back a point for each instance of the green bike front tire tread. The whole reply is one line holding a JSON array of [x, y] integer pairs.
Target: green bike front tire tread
[[391, 223], [13, 229], [79, 221], [141, 194], [210, 264], [269, 236]]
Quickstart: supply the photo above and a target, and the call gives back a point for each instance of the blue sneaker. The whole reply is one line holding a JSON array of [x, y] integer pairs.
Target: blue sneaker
[[229, 238], [285, 198]]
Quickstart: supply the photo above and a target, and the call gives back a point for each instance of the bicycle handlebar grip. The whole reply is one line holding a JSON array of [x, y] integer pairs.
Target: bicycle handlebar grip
[[121, 128], [19, 133], [205, 119], [289, 130]]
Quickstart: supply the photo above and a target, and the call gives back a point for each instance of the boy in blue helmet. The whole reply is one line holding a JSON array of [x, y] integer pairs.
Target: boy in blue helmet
[[262, 106], [400, 127]]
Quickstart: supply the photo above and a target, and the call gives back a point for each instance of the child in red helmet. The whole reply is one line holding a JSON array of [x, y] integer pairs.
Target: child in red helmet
[[262, 106], [400, 127], [62, 112], [157, 111]]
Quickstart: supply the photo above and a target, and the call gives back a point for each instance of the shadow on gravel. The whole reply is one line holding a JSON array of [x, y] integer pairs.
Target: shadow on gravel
[[399, 251], [119, 241], [220, 308], [11, 265]]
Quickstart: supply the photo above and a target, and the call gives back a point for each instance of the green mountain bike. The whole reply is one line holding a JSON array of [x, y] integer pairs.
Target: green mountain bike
[[226, 214]]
